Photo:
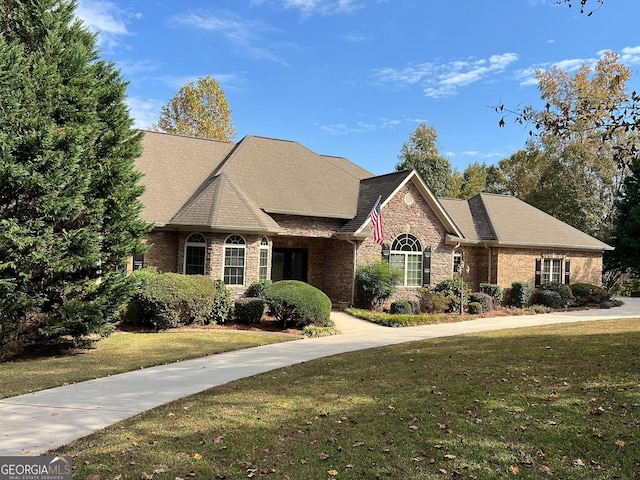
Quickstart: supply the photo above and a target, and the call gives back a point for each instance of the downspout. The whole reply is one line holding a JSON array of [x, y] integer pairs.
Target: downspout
[[353, 276]]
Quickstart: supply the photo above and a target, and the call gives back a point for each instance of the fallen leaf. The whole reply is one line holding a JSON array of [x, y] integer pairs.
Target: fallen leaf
[[332, 472], [146, 476], [414, 427], [514, 469], [449, 457], [197, 456], [620, 443], [358, 444], [578, 462], [323, 456], [94, 477]]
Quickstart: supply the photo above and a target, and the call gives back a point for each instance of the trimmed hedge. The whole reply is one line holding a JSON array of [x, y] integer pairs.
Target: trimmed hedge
[[170, 300], [564, 290], [587, 294], [485, 301], [475, 308], [401, 307], [548, 298], [298, 302], [249, 309], [519, 294]]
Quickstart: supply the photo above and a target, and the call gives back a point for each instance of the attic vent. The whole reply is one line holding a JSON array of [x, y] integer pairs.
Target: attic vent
[[408, 199]]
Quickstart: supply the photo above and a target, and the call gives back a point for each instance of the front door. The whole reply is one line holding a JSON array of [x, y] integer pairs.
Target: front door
[[289, 264]]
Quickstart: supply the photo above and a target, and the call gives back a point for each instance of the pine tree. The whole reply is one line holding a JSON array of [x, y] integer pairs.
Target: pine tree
[[68, 188], [626, 256]]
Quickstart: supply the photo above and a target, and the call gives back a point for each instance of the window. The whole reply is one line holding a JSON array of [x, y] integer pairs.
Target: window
[[457, 261], [195, 251], [138, 261], [263, 273], [406, 254], [551, 270], [234, 255]]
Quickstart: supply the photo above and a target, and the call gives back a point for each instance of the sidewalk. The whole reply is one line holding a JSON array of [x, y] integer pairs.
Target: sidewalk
[[37, 422]]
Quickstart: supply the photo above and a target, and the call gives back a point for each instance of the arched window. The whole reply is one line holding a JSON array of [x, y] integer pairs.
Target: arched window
[[234, 260], [406, 254], [263, 274], [195, 252]]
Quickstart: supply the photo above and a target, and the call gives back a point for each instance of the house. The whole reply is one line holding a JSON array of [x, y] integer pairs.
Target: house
[[264, 208]]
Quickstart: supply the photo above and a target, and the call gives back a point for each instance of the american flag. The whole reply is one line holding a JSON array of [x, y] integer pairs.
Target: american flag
[[376, 221]]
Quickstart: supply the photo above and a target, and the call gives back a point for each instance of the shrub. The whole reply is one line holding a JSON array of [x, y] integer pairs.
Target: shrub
[[453, 289], [222, 303], [587, 294], [170, 299], [483, 299], [376, 282], [548, 298], [316, 331], [475, 308], [256, 289], [433, 302], [249, 309], [519, 294], [299, 302], [401, 307], [494, 291], [564, 291]]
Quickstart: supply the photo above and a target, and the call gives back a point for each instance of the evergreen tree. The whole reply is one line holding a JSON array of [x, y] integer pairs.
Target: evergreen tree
[[68, 188], [626, 256]]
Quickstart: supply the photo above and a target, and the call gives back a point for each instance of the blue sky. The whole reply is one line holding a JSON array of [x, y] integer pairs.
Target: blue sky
[[354, 78]]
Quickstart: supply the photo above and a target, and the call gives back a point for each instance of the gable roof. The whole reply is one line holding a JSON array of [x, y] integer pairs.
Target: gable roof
[[507, 221], [385, 187]]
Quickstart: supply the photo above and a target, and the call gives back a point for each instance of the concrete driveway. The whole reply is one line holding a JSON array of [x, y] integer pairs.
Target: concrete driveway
[[34, 423]]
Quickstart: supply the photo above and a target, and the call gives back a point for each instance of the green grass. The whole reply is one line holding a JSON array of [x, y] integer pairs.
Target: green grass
[[123, 352], [554, 402]]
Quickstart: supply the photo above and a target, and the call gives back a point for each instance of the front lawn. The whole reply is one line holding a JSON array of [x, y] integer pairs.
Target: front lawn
[[559, 401], [123, 352]]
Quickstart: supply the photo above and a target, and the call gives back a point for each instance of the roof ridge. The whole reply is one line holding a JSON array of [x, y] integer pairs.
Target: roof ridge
[[188, 137], [486, 221]]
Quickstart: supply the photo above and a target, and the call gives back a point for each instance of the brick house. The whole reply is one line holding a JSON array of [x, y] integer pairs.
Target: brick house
[[264, 208]]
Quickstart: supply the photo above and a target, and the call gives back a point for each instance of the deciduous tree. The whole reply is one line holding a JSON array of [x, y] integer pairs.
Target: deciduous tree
[[421, 153], [68, 189], [198, 110]]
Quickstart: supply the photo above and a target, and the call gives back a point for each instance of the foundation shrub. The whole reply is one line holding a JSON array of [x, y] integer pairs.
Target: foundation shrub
[[453, 289], [485, 300], [376, 282], [433, 302], [400, 307], [587, 294], [170, 300], [564, 290], [519, 294], [256, 289], [298, 302], [249, 309], [475, 308], [548, 298], [494, 291]]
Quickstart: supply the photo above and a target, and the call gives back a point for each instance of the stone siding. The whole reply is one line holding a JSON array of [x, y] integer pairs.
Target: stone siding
[[419, 220]]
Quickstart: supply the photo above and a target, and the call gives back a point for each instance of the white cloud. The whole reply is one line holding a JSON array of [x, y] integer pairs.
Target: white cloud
[[322, 7], [360, 127], [444, 80], [144, 111], [105, 18], [247, 36], [630, 55]]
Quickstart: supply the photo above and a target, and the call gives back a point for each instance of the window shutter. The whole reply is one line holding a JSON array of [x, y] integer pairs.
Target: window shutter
[[386, 252], [538, 271], [567, 271], [426, 267]]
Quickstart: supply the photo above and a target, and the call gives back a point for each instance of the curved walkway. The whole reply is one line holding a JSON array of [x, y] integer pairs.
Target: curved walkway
[[34, 423]]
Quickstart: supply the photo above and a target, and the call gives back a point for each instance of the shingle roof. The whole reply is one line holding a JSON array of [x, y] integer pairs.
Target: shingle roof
[[508, 221], [285, 177], [220, 205], [174, 167], [261, 175]]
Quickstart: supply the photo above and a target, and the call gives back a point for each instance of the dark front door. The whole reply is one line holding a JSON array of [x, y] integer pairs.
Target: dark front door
[[289, 264]]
